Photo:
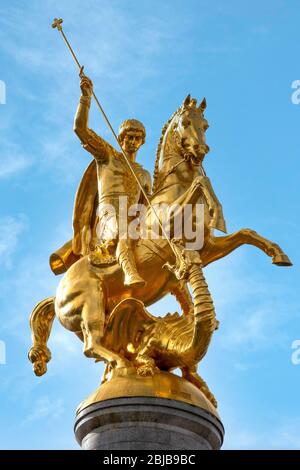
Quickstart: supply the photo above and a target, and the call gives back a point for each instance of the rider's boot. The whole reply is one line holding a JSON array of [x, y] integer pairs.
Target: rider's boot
[[127, 262]]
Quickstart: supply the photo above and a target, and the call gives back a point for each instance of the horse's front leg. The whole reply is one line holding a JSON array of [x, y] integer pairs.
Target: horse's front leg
[[218, 247], [201, 187], [176, 209], [214, 207], [192, 194]]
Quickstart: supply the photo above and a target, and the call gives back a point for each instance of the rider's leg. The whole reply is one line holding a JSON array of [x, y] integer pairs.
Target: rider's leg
[[126, 260]]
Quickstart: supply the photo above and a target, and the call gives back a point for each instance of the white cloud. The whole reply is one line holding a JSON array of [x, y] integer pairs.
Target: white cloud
[[43, 408], [10, 230], [13, 159], [31, 279], [64, 342], [12, 164], [283, 434], [256, 327]]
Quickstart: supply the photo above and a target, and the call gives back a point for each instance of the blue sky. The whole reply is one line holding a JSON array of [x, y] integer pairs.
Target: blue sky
[[144, 57]]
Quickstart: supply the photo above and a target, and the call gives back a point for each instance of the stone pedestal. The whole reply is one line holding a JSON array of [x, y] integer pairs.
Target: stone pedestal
[[147, 423], [164, 412]]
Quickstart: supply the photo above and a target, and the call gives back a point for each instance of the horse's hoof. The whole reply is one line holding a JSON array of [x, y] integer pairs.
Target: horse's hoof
[[282, 260]]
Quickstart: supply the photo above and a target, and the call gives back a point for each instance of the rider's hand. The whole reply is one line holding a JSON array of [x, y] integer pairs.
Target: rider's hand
[[86, 86]]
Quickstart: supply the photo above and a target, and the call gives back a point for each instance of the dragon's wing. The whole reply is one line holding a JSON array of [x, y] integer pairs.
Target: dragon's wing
[[125, 325]]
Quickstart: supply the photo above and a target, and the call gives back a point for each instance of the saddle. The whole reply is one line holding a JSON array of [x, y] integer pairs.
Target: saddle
[[102, 254], [62, 259]]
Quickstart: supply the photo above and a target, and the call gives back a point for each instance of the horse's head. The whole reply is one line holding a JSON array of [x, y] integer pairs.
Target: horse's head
[[182, 139], [189, 126]]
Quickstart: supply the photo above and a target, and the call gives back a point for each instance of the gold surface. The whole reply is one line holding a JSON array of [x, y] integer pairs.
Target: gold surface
[[162, 385], [109, 282]]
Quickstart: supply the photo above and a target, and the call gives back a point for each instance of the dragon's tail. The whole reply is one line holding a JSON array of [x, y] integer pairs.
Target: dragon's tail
[[41, 320], [204, 316]]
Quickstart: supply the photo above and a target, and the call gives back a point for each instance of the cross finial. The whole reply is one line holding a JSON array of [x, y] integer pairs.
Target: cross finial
[[57, 23]]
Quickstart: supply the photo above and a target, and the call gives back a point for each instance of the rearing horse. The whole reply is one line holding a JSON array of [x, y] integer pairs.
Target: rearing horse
[[88, 293], [178, 164]]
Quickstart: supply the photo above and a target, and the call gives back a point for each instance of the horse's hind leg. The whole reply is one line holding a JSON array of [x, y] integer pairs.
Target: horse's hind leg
[[92, 319], [218, 247], [81, 308], [92, 326]]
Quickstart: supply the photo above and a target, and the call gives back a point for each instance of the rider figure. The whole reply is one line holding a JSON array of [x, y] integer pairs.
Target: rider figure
[[114, 177]]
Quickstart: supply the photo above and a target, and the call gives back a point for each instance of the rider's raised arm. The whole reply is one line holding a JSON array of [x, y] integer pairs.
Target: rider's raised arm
[[90, 141]]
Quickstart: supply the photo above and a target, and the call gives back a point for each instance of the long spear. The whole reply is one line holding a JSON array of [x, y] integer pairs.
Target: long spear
[[57, 23]]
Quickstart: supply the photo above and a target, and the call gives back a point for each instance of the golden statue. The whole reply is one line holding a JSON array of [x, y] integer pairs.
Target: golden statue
[[110, 280]]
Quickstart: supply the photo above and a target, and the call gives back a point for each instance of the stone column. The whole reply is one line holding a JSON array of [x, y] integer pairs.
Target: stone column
[[147, 423]]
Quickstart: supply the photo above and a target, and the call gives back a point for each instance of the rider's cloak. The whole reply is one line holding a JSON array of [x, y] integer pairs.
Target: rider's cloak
[[83, 214]]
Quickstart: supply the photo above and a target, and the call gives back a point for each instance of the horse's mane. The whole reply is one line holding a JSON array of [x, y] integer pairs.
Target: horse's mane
[[158, 151]]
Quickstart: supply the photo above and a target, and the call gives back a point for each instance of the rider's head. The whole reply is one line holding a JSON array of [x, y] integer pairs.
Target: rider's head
[[132, 135]]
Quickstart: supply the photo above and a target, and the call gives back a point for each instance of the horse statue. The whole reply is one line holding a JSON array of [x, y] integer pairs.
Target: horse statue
[[109, 317]]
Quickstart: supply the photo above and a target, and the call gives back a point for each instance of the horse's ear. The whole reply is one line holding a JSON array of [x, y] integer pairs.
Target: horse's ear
[[202, 105], [187, 101]]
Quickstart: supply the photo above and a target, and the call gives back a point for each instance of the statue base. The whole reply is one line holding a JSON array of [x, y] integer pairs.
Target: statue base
[[163, 412]]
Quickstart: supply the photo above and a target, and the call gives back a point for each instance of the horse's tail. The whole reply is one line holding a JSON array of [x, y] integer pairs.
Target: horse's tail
[[41, 320]]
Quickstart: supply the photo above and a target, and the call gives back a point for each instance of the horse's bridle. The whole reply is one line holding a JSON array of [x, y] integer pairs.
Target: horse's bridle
[[186, 157]]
